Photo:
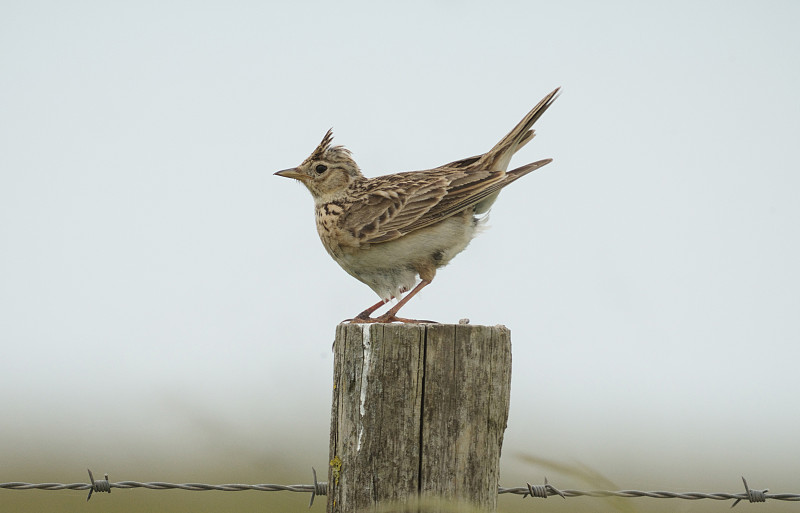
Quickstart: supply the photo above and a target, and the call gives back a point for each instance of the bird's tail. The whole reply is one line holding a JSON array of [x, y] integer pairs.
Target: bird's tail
[[499, 156]]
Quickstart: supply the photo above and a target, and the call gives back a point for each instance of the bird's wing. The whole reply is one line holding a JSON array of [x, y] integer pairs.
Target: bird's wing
[[394, 205], [476, 187], [386, 205]]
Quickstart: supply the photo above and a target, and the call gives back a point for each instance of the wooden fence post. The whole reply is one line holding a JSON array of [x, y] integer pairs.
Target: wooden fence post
[[418, 411]]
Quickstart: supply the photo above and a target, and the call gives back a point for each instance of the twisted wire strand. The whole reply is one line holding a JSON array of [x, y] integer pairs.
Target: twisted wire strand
[[749, 494], [160, 485], [523, 490], [321, 488]]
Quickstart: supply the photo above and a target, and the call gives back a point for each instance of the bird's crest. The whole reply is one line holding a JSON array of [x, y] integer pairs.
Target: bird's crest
[[323, 147], [324, 151]]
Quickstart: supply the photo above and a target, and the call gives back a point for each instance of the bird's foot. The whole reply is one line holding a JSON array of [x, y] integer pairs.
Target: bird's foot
[[361, 318], [386, 319]]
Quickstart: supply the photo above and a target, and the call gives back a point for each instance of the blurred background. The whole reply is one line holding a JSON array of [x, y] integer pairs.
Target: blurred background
[[167, 310]]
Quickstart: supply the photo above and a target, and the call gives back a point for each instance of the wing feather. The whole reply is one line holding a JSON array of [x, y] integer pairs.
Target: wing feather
[[396, 205], [388, 206]]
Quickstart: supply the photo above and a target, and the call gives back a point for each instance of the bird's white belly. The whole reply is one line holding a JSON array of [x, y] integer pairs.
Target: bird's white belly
[[391, 268]]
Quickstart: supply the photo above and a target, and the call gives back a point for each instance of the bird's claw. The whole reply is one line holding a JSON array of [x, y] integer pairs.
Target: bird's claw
[[386, 319]]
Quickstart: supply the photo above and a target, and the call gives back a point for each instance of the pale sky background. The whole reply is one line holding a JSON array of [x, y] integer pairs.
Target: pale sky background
[[165, 300]]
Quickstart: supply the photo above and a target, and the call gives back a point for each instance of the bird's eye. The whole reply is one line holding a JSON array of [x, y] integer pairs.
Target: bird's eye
[[321, 169]]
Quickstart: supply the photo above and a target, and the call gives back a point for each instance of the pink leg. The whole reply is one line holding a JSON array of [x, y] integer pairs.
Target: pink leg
[[390, 315], [366, 313]]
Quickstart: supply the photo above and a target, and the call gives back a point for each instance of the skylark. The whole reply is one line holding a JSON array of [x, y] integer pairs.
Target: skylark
[[386, 231]]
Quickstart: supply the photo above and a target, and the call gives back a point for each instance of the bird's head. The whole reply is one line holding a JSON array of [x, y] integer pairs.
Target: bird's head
[[327, 172]]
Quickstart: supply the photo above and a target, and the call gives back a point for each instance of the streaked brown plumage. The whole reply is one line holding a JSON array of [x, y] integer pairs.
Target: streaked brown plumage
[[385, 231]]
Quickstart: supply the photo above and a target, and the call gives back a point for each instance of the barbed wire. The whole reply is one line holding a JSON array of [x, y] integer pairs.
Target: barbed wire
[[547, 490], [103, 485], [321, 488]]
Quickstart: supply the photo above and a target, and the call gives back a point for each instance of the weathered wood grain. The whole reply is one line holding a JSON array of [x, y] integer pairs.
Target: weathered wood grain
[[417, 411]]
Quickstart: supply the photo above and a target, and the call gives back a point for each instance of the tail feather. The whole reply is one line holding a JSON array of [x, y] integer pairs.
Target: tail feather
[[524, 170], [490, 193], [500, 156]]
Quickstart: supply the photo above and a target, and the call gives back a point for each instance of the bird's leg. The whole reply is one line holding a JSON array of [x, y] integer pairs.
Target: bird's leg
[[363, 316], [390, 315]]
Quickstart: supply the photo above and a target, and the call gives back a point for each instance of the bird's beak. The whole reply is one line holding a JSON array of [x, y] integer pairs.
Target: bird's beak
[[292, 173]]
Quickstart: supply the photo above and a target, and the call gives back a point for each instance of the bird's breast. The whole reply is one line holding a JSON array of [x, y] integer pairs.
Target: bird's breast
[[329, 229]]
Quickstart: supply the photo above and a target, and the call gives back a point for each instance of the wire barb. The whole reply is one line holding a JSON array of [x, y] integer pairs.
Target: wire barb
[[320, 488], [542, 490], [752, 495], [100, 485]]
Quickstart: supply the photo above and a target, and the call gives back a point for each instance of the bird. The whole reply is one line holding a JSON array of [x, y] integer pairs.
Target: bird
[[388, 230]]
